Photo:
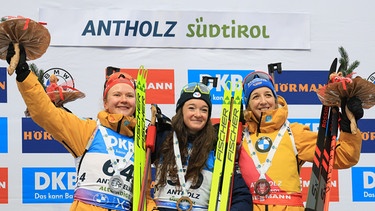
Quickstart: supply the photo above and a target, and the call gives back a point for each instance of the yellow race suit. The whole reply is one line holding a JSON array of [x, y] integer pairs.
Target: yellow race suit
[[283, 172], [73, 132]]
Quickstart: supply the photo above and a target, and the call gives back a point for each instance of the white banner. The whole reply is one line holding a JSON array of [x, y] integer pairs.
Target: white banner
[[176, 29]]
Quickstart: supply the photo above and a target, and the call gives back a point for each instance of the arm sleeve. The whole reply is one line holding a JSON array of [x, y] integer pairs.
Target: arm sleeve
[[348, 150], [64, 126], [348, 146], [161, 135]]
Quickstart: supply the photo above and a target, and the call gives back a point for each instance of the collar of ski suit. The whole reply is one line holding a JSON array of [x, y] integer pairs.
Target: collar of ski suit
[[117, 122], [270, 120]]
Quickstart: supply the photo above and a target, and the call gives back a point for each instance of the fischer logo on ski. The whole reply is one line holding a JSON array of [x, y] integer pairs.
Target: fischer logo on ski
[[231, 148], [139, 147], [226, 152]]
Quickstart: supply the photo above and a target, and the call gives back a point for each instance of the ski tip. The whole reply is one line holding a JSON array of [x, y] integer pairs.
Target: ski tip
[[333, 67]]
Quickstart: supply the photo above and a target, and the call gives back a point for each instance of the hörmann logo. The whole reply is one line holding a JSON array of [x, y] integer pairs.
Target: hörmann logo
[[36, 140], [368, 135], [160, 85]]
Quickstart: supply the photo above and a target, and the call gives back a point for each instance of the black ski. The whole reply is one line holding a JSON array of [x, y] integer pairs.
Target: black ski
[[318, 179]]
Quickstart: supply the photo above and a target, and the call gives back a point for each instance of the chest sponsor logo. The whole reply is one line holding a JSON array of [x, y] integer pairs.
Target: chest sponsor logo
[[263, 144]]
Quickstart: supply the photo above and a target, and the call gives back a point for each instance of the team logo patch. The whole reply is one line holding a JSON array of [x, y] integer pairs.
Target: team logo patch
[[101, 198], [263, 144], [197, 94]]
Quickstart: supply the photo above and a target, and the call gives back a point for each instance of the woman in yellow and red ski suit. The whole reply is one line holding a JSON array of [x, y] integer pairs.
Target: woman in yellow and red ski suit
[[265, 115]]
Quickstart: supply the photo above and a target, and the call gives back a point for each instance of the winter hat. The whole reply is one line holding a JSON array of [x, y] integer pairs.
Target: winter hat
[[250, 85], [115, 78], [195, 91]]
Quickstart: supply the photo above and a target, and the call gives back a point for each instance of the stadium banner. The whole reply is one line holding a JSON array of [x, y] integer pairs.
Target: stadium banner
[[176, 29]]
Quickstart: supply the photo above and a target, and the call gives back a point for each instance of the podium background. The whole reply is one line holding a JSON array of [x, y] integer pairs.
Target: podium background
[[332, 24]]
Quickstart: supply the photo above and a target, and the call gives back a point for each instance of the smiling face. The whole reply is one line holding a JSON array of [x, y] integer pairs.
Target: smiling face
[[120, 99], [195, 112], [261, 99]]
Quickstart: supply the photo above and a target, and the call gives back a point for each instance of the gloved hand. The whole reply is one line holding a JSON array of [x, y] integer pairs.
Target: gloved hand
[[163, 123], [22, 69], [354, 104]]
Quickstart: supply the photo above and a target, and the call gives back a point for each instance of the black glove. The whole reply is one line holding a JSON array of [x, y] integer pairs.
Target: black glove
[[22, 69], [354, 105], [163, 123]]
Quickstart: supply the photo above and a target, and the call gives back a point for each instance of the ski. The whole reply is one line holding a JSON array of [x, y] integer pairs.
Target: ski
[[139, 141], [225, 152], [220, 150], [150, 147], [334, 129], [318, 179], [231, 148], [324, 164]]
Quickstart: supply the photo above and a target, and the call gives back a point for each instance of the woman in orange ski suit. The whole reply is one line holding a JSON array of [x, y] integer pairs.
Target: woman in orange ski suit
[[273, 150], [102, 183]]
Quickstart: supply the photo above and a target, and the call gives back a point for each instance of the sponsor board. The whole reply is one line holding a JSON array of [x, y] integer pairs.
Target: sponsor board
[[3, 85], [305, 174], [63, 76], [297, 87], [3, 134], [368, 135], [160, 85], [177, 29], [371, 78], [48, 185], [223, 77], [363, 184], [36, 140], [3, 185]]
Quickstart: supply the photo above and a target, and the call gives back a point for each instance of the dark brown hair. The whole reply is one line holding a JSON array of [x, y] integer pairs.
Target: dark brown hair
[[203, 142]]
